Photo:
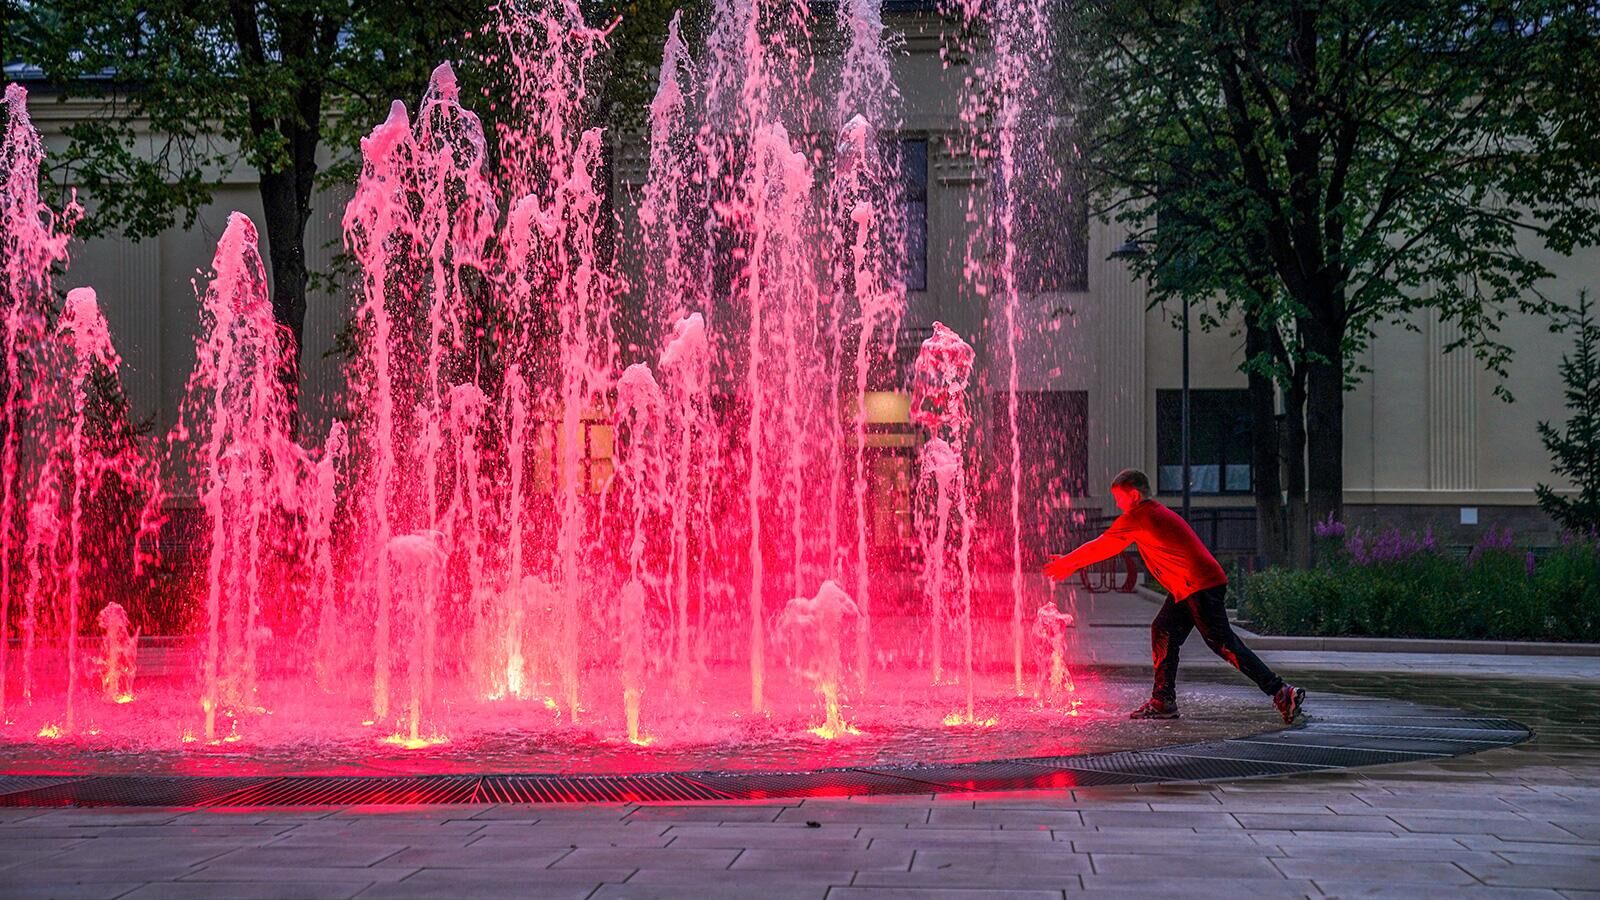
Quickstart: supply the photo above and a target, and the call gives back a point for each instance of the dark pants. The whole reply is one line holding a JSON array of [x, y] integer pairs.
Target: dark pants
[[1206, 611]]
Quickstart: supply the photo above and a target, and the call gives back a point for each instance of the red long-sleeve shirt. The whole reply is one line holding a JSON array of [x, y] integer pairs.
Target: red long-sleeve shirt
[[1171, 551]]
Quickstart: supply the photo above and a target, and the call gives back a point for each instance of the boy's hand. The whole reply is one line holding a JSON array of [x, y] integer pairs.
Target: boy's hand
[[1057, 569]]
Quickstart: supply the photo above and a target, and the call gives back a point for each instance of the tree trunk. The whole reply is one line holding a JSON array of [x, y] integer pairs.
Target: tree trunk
[[286, 197], [1294, 458], [1325, 428], [304, 42], [285, 226], [1271, 540]]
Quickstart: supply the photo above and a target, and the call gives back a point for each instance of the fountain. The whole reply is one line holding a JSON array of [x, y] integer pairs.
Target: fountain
[[812, 631], [566, 485]]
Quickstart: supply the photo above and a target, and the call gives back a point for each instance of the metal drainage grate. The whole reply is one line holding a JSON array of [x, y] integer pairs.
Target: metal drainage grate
[[1304, 757], [594, 789], [828, 783], [998, 776], [1418, 746], [11, 784], [1488, 723], [1346, 756], [131, 790], [359, 791], [1177, 767], [1429, 732]]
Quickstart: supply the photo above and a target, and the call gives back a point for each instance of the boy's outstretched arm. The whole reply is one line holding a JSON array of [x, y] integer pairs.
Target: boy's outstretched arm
[[1101, 548]]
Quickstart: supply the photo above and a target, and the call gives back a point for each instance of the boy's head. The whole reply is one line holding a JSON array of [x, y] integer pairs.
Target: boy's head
[[1128, 488]]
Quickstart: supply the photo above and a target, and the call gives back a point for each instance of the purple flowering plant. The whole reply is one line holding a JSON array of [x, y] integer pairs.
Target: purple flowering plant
[[1387, 545]]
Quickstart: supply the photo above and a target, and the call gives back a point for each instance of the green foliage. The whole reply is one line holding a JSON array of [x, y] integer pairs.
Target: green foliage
[[1328, 165], [186, 98], [1491, 596], [1575, 450], [190, 90]]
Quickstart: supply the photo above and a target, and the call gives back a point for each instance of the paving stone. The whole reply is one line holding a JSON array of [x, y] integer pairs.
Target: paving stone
[[16, 850], [679, 883], [1584, 856], [800, 860], [569, 836], [936, 894], [223, 890], [714, 890], [791, 836], [1506, 828], [974, 879], [1582, 876], [1426, 892], [1478, 805], [269, 874], [989, 860], [335, 853], [722, 813], [476, 857], [962, 837], [248, 835], [490, 886], [105, 852], [859, 815], [1162, 837], [1197, 888], [67, 890], [81, 818], [1221, 864], [642, 858], [1315, 822], [689, 878], [1588, 829], [1006, 818], [1497, 845], [1366, 866], [385, 827], [1131, 818], [47, 871]]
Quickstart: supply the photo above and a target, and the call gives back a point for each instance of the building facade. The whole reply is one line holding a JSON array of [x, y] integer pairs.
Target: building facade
[[1428, 443]]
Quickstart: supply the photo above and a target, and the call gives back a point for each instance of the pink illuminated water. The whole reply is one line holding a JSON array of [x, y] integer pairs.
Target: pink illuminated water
[[594, 480]]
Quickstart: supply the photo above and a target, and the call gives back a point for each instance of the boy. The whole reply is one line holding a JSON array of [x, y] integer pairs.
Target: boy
[[1175, 557]]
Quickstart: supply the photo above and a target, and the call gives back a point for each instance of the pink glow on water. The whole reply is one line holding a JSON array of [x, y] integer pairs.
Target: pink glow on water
[[941, 376], [571, 485], [812, 631]]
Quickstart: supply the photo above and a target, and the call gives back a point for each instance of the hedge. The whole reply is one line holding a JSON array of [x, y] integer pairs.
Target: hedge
[[1392, 584]]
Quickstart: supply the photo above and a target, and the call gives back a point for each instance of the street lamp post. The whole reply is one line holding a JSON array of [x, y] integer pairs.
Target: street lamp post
[[1133, 248]]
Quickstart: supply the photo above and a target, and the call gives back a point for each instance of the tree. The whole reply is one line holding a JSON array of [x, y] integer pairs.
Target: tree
[[267, 84], [1320, 167], [1575, 450]]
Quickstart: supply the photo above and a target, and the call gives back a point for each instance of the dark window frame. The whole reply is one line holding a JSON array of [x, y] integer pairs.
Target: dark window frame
[[1208, 408], [914, 187]]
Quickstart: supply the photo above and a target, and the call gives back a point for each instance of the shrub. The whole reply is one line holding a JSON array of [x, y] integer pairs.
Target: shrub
[[1392, 584]]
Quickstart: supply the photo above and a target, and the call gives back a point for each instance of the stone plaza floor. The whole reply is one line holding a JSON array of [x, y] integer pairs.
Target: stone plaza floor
[[1523, 821], [1516, 822]]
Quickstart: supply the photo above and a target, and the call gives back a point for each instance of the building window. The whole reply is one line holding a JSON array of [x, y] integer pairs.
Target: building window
[[1219, 442], [914, 181]]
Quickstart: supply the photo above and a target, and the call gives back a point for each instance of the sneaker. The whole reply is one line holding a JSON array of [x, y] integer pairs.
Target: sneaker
[[1155, 709], [1288, 700]]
